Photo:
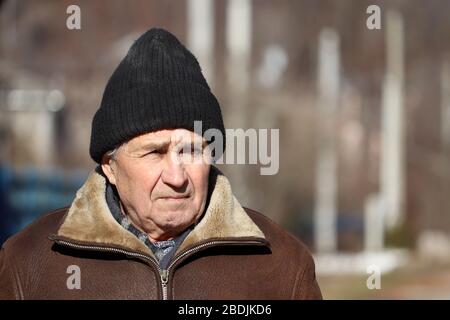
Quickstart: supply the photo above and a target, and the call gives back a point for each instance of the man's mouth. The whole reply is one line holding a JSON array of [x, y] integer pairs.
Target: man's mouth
[[175, 198]]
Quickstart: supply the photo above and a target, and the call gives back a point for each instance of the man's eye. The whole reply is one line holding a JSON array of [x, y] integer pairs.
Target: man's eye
[[153, 152], [195, 151]]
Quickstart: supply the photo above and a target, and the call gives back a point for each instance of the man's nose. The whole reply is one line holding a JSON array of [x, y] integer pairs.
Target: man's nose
[[173, 173]]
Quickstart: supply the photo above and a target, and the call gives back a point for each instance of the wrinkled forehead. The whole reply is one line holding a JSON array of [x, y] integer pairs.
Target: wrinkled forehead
[[165, 138]]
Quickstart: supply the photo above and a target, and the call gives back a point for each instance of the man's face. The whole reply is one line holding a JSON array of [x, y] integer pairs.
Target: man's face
[[162, 184]]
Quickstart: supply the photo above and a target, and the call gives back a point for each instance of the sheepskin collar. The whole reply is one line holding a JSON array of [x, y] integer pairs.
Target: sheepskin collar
[[89, 219]]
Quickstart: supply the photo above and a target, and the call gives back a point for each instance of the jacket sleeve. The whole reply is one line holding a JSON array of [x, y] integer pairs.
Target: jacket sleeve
[[8, 284], [306, 286]]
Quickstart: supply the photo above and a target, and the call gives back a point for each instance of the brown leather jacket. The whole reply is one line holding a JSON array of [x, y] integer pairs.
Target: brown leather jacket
[[232, 253]]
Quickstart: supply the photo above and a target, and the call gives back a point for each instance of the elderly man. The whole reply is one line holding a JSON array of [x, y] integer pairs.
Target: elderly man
[[155, 220]]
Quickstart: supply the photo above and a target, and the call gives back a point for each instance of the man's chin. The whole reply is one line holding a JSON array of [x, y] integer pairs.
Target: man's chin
[[175, 218]]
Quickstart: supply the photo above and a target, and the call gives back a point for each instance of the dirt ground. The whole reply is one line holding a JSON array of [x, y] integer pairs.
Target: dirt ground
[[418, 280]]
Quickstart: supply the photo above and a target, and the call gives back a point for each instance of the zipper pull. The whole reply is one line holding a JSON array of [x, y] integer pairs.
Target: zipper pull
[[164, 279], [164, 276]]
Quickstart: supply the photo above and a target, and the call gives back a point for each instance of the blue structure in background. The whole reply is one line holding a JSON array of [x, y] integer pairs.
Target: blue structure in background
[[28, 193]]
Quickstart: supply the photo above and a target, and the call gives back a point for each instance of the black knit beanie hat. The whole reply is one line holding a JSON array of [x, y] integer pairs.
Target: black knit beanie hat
[[158, 85]]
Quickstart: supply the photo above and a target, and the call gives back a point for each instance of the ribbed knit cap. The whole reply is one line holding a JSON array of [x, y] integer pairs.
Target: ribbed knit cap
[[158, 85]]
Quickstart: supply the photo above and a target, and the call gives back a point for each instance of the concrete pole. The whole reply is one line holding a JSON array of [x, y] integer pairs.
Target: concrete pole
[[238, 35], [238, 42], [201, 35], [373, 224], [445, 105], [325, 215], [392, 126]]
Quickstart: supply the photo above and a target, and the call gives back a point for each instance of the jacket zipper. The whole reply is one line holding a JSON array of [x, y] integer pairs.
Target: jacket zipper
[[164, 274]]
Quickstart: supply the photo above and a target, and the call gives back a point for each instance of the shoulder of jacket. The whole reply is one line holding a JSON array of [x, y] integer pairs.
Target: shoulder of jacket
[[20, 252], [280, 237], [35, 232]]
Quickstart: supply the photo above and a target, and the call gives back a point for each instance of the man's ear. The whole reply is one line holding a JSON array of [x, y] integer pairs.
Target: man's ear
[[108, 170]]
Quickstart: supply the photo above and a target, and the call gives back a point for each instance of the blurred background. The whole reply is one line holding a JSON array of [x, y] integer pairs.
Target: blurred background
[[362, 105]]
